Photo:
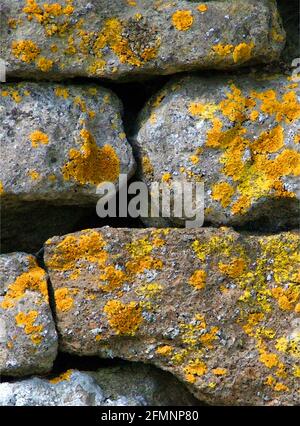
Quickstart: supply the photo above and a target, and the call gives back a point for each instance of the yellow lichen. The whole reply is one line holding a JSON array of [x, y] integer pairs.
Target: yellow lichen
[[88, 247], [26, 321], [166, 177], [25, 50], [34, 174], [233, 269], [182, 20], [223, 49], [202, 8], [92, 164], [242, 52], [124, 318], [195, 369], [32, 280], [223, 192], [219, 371], [164, 350], [63, 299], [113, 278], [38, 138], [62, 377], [62, 92], [44, 64], [198, 279]]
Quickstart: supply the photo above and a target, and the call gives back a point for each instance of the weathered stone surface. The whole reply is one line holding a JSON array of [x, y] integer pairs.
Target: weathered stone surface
[[218, 309], [237, 134], [59, 142], [135, 384], [28, 339], [128, 38]]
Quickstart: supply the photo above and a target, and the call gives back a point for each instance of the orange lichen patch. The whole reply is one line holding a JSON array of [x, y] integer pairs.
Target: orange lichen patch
[[297, 139], [1, 188], [139, 265], [296, 372], [198, 279], [92, 164], [259, 176], [288, 109], [276, 36], [164, 350], [62, 377], [124, 318], [12, 23], [201, 110], [26, 321], [182, 20], [150, 290], [111, 36], [38, 138], [141, 259], [61, 92], [25, 50], [194, 159], [195, 369], [202, 8], [233, 269], [166, 177], [147, 165], [219, 371], [269, 359], [223, 49], [242, 52], [63, 299], [33, 280], [114, 278], [48, 14], [223, 192], [88, 247], [34, 174], [235, 105], [287, 298], [44, 64], [208, 338], [254, 115]]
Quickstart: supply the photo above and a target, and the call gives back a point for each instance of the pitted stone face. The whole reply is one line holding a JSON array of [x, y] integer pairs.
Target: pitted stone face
[[66, 139], [120, 40], [238, 135], [214, 307], [28, 339]]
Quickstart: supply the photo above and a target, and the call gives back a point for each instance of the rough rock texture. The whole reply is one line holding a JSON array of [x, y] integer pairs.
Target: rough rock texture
[[28, 339], [136, 385], [123, 39], [60, 142], [237, 134], [218, 309]]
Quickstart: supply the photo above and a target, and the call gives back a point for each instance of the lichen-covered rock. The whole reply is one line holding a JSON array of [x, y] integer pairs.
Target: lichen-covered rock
[[136, 385], [28, 339], [123, 39], [60, 142], [237, 134], [218, 309]]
